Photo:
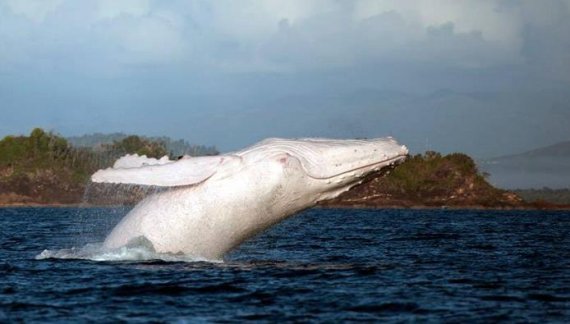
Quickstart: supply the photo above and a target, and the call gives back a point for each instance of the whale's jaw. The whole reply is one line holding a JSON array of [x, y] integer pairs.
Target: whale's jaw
[[333, 187], [235, 196]]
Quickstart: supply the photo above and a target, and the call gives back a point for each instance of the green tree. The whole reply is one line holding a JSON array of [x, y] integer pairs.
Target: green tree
[[134, 144]]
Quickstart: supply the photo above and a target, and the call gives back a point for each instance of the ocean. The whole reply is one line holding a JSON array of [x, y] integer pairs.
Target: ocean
[[323, 265]]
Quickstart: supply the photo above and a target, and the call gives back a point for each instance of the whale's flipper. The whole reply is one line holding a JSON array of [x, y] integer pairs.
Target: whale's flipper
[[135, 161], [141, 170]]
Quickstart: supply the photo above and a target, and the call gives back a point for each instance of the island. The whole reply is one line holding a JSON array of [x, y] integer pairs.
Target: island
[[45, 169]]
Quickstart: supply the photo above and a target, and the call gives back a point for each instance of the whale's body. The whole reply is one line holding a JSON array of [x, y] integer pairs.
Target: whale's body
[[216, 203]]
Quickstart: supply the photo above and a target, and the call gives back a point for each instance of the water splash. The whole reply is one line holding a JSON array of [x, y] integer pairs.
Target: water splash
[[93, 223], [139, 249]]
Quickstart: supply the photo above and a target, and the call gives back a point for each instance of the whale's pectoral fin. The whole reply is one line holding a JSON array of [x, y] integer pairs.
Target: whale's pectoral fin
[[186, 171]]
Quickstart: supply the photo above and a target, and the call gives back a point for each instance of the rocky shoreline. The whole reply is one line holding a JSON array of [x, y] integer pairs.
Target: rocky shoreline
[[529, 206], [369, 195]]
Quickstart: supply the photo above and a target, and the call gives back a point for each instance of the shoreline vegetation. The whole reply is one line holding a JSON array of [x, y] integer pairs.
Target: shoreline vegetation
[[44, 169]]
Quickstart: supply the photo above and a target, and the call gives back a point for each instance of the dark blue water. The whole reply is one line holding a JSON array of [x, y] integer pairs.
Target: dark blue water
[[323, 265]]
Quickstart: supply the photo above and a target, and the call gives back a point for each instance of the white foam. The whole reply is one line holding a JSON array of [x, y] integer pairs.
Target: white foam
[[139, 251], [135, 161]]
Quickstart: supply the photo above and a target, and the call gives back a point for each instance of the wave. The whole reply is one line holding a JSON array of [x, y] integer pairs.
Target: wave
[[137, 250]]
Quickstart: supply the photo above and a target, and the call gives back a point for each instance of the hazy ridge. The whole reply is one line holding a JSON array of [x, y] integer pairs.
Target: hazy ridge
[[547, 166]]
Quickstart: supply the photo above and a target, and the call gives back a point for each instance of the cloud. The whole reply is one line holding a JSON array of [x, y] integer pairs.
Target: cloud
[[146, 40], [547, 39], [244, 64], [385, 38], [109, 9], [283, 36], [34, 10]]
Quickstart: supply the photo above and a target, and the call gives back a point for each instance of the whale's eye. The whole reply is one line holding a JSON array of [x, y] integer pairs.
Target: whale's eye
[[283, 158]]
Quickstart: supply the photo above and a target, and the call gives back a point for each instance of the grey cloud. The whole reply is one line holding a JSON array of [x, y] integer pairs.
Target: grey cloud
[[223, 72], [547, 48], [224, 37]]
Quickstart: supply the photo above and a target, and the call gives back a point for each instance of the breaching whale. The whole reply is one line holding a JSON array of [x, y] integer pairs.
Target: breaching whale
[[217, 202]]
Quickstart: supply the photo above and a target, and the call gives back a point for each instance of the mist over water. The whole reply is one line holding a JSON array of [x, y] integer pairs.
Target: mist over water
[[94, 224], [322, 265]]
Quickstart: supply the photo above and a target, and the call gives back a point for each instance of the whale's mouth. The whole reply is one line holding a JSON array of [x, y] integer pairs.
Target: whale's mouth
[[375, 166]]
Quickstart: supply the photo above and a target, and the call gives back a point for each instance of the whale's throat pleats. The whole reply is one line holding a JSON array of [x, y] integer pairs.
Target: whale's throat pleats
[[165, 173]]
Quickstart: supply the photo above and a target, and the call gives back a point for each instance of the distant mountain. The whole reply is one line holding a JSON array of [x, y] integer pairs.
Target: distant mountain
[[542, 167], [483, 124], [175, 148], [559, 150]]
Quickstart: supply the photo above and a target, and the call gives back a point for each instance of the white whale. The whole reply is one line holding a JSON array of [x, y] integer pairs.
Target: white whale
[[217, 202]]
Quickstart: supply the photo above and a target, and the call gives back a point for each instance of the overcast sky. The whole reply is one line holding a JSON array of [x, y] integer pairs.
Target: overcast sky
[[483, 76]]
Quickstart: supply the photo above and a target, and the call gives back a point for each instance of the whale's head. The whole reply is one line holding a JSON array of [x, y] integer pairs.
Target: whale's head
[[313, 168], [329, 166]]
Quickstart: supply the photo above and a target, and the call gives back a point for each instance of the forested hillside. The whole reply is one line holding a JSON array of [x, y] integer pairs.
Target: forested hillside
[[43, 168], [178, 147], [430, 180]]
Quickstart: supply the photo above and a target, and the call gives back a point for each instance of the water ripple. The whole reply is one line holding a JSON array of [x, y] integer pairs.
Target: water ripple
[[325, 265]]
